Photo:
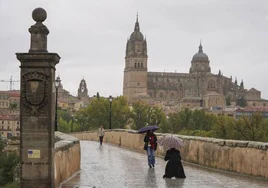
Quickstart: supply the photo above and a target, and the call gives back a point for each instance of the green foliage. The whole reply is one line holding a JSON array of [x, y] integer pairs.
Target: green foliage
[[252, 127], [201, 133], [12, 185], [98, 113], [198, 123], [228, 101], [63, 125], [120, 112], [241, 101], [223, 128], [64, 115], [2, 144], [13, 106], [140, 114], [8, 162], [190, 120], [143, 115]]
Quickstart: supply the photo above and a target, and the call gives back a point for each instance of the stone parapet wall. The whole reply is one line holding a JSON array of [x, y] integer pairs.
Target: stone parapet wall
[[246, 157], [67, 157]]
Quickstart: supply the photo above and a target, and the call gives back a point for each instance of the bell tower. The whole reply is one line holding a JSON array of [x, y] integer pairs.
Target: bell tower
[[135, 72], [82, 90]]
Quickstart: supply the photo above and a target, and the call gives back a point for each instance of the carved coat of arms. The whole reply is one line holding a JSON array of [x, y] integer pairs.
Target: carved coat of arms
[[34, 91]]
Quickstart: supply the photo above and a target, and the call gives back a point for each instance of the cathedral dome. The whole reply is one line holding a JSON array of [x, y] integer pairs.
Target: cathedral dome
[[200, 56], [136, 35]]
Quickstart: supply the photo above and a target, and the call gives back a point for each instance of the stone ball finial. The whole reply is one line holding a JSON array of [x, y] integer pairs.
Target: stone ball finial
[[39, 14]]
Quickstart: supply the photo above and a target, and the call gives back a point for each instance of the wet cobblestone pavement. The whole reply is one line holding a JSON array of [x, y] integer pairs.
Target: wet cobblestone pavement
[[110, 166]]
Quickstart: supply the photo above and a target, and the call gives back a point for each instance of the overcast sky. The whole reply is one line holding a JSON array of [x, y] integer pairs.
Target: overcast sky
[[90, 36]]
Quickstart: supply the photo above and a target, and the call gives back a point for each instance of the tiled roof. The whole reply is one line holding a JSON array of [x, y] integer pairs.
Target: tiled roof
[[15, 93], [253, 109], [9, 117]]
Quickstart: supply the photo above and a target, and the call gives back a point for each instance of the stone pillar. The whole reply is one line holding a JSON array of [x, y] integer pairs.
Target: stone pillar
[[37, 108]]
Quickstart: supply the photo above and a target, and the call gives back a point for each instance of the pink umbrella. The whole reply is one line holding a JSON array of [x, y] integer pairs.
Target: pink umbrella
[[170, 142]]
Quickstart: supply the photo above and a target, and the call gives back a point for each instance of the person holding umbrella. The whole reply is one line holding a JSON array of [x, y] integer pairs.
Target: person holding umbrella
[[150, 141], [174, 166]]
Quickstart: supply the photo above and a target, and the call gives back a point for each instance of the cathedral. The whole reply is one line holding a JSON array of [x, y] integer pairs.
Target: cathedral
[[200, 87]]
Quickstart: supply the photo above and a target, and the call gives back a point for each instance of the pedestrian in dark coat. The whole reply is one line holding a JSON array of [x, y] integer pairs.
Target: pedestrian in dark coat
[[174, 166], [150, 146]]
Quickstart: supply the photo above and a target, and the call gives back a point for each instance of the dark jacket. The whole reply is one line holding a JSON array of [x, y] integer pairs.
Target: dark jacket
[[147, 139], [174, 167]]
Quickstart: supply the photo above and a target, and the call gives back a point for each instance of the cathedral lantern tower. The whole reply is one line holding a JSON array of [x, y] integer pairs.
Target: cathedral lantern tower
[[135, 72], [200, 62], [82, 90]]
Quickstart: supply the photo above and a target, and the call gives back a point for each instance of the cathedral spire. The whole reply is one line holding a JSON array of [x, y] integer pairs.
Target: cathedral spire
[[242, 84], [200, 48], [235, 81], [137, 26]]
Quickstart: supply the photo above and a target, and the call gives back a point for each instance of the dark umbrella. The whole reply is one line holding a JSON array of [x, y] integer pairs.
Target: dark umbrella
[[148, 128]]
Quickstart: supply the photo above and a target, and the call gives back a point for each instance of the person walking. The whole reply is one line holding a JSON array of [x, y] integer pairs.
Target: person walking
[[150, 141], [101, 133], [174, 166]]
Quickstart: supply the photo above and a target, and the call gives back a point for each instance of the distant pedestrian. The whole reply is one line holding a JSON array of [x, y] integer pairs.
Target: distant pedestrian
[[174, 166], [150, 145], [100, 134]]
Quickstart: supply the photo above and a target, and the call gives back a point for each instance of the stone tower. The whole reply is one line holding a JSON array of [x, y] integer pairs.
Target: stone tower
[[37, 108], [135, 72], [82, 90]]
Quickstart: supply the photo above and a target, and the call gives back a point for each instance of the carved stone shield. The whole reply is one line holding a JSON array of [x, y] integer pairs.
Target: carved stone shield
[[34, 91]]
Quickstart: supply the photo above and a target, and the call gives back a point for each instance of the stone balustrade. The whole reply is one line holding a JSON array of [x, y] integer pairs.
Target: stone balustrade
[[67, 157], [246, 157]]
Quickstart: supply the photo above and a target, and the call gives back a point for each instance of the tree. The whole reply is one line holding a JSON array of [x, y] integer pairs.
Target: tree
[[202, 121], [241, 101], [97, 113], [252, 127], [174, 123], [228, 101], [120, 112], [13, 106], [2, 144], [144, 114], [222, 128], [140, 114], [9, 160]]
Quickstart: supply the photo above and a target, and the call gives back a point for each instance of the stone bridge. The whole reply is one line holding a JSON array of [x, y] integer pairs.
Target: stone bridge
[[124, 164]]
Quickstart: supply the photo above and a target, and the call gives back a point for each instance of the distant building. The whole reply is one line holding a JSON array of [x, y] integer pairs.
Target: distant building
[[199, 86], [9, 102], [250, 110], [9, 125], [82, 92]]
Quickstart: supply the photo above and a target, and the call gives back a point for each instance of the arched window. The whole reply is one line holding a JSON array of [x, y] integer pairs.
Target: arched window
[[161, 95], [211, 84], [254, 104]]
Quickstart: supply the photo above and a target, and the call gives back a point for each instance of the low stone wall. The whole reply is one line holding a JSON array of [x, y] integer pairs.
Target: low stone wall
[[67, 157], [245, 157]]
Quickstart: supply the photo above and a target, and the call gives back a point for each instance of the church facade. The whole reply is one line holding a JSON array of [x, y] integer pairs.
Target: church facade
[[198, 87]]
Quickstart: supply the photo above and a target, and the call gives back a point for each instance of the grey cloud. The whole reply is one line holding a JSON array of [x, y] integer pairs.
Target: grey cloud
[[90, 36]]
